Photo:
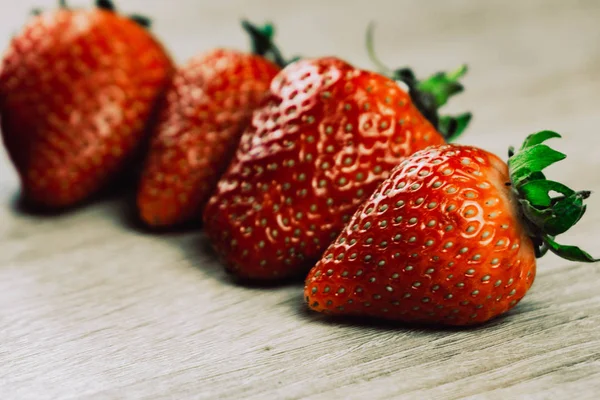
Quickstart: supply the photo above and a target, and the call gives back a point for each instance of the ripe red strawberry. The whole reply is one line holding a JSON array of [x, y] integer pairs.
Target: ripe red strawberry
[[450, 237], [207, 108], [77, 88], [328, 135]]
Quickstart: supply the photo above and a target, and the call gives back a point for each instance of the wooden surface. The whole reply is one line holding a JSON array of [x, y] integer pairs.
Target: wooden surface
[[90, 307]]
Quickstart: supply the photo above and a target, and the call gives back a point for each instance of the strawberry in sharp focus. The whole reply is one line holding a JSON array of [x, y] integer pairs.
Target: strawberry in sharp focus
[[451, 237], [77, 88], [207, 107], [328, 135]]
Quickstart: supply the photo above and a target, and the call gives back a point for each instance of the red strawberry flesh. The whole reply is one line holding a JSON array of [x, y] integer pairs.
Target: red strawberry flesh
[[403, 250], [328, 136]]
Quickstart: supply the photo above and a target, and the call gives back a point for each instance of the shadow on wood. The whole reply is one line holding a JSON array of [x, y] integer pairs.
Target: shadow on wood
[[389, 325]]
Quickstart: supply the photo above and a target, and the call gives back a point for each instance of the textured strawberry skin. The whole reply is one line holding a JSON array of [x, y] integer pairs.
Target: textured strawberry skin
[[76, 91], [207, 107], [440, 241], [327, 136]]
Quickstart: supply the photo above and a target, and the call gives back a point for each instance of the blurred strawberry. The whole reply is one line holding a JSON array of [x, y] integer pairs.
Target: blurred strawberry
[[77, 88], [207, 108]]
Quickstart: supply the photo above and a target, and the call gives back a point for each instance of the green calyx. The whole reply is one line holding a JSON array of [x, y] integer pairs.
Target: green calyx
[[428, 95], [141, 20], [262, 43], [548, 208], [106, 5]]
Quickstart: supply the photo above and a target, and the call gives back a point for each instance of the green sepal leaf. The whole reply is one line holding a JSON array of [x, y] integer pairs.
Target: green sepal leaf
[[268, 30], [443, 85], [567, 212], [538, 217], [103, 4], [530, 160], [452, 127], [538, 138], [548, 208], [293, 60], [262, 42], [571, 253], [552, 216], [141, 20], [538, 191], [536, 176]]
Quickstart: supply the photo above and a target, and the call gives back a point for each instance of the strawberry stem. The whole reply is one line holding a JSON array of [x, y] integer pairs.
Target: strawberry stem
[[545, 214], [370, 42], [141, 20], [428, 95], [105, 5], [263, 45]]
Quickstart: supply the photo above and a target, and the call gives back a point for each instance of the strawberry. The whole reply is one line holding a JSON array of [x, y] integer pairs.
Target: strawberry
[[451, 237], [77, 88], [207, 108], [327, 136]]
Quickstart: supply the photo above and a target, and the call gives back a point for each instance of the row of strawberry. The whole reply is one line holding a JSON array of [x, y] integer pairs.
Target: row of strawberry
[[291, 163]]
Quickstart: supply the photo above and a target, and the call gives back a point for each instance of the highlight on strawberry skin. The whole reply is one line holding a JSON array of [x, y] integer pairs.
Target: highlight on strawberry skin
[[451, 237]]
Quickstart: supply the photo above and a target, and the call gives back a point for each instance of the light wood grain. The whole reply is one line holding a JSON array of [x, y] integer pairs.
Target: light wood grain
[[93, 308]]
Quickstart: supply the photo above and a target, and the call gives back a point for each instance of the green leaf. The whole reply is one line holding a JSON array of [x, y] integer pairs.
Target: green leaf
[[552, 216], [293, 60], [537, 191], [567, 211], [538, 138], [102, 4], [548, 208], [530, 160], [444, 85], [536, 176], [141, 20], [268, 30], [262, 42], [571, 253], [538, 217], [451, 127]]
